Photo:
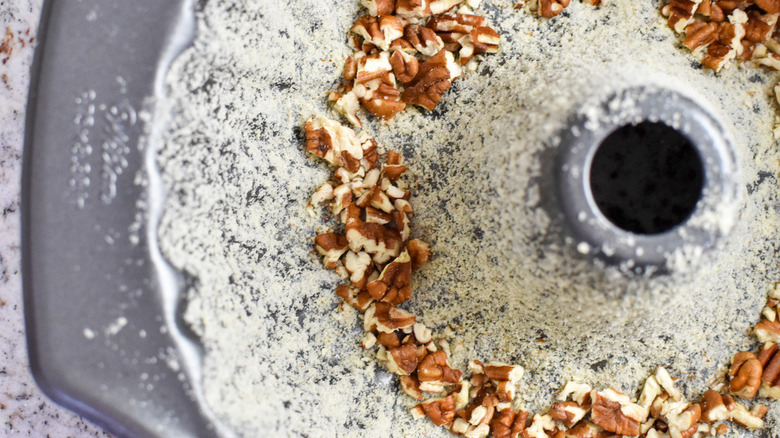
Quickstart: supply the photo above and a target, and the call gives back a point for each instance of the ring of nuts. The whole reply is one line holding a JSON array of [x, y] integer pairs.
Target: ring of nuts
[[375, 255]]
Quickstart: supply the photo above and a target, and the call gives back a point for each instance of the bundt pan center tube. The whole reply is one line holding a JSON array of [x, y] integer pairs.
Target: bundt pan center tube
[[646, 178]]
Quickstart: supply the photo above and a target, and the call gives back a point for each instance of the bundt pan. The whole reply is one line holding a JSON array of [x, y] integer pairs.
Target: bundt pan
[[638, 181]]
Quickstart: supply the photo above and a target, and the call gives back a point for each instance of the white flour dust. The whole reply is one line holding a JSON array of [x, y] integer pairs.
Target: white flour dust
[[280, 355]]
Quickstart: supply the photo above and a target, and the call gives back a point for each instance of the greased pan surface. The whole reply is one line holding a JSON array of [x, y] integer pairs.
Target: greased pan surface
[[100, 305]]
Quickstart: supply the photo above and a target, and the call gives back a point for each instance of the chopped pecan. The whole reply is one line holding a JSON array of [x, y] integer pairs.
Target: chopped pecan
[[383, 102], [482, 408], [402, 360], [578, 392], [769, 6], [375, 216], [505, 378], [424, 40], [318, 140], [770, 378], [359, 267], [381, 242], [569, 413], [411, 387], [607, 412], [412, 9], [379, 7], [700, 35], [331, 246], [684, 424], [379, 31], [422, 334], [354, 297], [745, 418], [393, 285], [441, 6], [432, 81], [350, 69], [405, 66], [667, 383], [435, 368], [508, 424], [745, 373], [388, 340], [440, 410], [551, 8], [679, 13], [485, 39], [714, 409], [371, 67], [539, 424], [768, 331], [419, 252], [756, 29], [384, 317], [331, 141], [393, 171], [586, 429], [704, 8]]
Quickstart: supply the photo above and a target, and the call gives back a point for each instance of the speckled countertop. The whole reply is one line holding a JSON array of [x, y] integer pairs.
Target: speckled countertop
[[24, 410]]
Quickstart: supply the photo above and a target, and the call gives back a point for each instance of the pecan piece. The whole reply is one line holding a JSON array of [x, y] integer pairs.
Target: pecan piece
[[769, 6], [423, 39], [386, 318], [745, 418], [405, 66], [745, 373], [354, 297], [384, 102], [700, 34], [402, 360], [685, 424], [679, 13], [332, 141], [318, 140], [569, 413], [770, 363], [411, 387], [435, 368], [508, 424], [586, 429], [432, 81], [359, 267], [607, 412], [381, 242], [393, 285], [440, 410], [331, 246], [412, 9], [756, 29], [551, 8], [379, 7], [768, 331], [713, 407]]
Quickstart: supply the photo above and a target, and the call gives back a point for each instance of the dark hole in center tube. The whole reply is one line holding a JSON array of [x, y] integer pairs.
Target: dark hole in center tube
[[646, 178]]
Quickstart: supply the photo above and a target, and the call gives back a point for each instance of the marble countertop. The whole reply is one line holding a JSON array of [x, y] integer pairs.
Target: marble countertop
[[24, 410]]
